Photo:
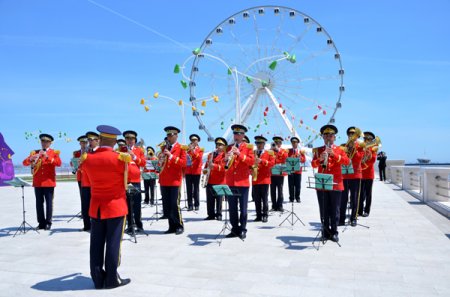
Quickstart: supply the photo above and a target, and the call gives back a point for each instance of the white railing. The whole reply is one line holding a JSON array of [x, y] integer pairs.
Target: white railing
[[430, 185]]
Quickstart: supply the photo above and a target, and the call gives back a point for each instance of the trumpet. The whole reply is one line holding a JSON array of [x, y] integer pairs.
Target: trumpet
[[232, 157]]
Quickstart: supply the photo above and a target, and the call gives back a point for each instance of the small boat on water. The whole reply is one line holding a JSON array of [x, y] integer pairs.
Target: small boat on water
[[423, 161]]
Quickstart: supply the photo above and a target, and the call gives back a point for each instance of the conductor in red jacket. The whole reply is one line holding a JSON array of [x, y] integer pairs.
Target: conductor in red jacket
[[170, 179], [43, 163], [329, 159], [238, 159], [106, 171]]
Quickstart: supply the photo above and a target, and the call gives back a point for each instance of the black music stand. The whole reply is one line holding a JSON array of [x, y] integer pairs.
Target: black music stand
[[156, 214], [18, 182], [131, 191], [224, 191], [321, 182]]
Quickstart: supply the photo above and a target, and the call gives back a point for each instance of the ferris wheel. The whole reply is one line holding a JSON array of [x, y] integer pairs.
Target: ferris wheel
[[272, 68]]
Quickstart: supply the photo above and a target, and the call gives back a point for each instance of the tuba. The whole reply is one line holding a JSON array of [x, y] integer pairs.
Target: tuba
[[371, 146]]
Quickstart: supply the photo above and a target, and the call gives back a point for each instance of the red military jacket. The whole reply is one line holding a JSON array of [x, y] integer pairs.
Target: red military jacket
[[44, 174], [237, 175], [264, 168], [196, 156], [77, 154], [171, 174], [134, 168], [355, 156], [105, 171], [334, 164], [280, 157], [84, 180], [368, 171], [217, 174], [297, 154]]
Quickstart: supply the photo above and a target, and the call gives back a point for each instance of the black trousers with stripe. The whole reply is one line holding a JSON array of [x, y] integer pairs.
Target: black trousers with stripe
[[44, 194], [171, 206], [107, 232]]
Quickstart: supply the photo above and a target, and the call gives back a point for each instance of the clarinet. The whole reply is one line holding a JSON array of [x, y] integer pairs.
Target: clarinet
[[325, 160]]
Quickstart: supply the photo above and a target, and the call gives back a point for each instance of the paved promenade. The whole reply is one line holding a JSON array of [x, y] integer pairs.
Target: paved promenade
[[404, 252]]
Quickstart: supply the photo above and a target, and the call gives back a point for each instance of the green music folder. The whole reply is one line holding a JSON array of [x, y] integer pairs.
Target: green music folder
[[222, 190], [75, 163], [149, 175], [278, 169], [292, 164], [323, 181], [347, 169]]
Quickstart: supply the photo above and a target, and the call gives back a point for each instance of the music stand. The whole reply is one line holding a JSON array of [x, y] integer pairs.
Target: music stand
[[18, 182], [224, 191], [157, 213], [322, 182], [130, 192]]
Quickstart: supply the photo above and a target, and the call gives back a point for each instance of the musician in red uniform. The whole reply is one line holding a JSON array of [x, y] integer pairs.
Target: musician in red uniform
[[84, 206], [106, 173], [193, 172], [329, 159], [264, 161], [368, 174], [149, 176], [352, 181], [134, 178], [277, 180], [170, 179], [43, 163], [295, 178], [238, 159], [215, 164]]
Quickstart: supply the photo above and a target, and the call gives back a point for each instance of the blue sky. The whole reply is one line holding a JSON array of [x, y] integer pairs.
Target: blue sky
[[68, 66]]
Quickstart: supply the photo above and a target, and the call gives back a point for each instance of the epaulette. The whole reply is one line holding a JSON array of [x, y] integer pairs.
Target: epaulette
[[362, 145], [202, 149], [250, 146], [83, 157], [270, 152], [124, 157], [33, 152], [184, 147], [57, 152], [315, 150]]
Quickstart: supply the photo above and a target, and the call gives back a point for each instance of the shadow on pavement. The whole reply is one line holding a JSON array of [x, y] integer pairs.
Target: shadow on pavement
[[291, 242], [202, 239], [70, 282]]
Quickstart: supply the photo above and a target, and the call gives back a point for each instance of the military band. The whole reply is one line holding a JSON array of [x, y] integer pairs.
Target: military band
[[43, 162], [214, 174], [134, 178], [329, 159], [277, 180], [238, 159], [170, 179], [352, 176], [295, 178], [193, 172], [261, 173]]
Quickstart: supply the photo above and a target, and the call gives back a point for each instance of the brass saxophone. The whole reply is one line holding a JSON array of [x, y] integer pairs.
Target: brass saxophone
[[371, 146], [207, 170], [254, 168]]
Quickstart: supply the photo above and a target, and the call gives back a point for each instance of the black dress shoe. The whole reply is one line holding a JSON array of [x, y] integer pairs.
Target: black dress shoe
[[40, 227], [219, 218], [129, 230], [257, 219], [291, 200], [231, 235], [341, 224], [121, 283], [335, 238], [243, 235], [170, 231], [353, 223], [366, 214], [196, 208], [48, 227], [280, 209], [146, 201], [163, 218], [208, 218], [264, 219], [190, 208], [298, 200], [179, 231], [140, 229]]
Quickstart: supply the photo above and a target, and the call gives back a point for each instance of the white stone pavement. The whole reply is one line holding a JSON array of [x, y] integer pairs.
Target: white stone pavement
[[403, 253]]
